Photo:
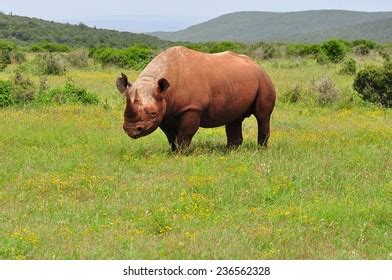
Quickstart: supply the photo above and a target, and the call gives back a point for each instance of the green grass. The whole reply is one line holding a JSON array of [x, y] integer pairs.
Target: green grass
[[74, 186]]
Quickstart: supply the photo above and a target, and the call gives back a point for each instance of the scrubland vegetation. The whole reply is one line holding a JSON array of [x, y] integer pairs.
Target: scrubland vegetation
[[74, 186]]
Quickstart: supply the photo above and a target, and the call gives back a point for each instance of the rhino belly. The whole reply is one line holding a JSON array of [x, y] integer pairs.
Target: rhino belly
[[228, 105]]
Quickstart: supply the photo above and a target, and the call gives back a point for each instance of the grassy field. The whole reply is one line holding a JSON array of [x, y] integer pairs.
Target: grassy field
[[74, 186]]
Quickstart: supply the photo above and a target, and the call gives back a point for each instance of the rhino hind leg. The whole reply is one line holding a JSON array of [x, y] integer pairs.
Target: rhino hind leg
[[263, 123], [234, 133], [263, 111]]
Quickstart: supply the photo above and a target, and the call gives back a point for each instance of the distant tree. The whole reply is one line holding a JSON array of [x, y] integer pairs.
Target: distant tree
[[335, 50]]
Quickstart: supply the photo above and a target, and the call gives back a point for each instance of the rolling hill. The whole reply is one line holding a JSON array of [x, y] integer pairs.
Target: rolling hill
[[32, 30], [306, 26]]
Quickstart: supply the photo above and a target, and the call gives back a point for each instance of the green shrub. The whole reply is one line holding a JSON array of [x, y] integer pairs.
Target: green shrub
[[293, 95], [322, 58], [6, 98], [135, 57], [361, 50], [375, 84], [217, 47], [22, 88], [7, 45], [364, 42], [78, 58], [70, 93], [349, 67], [326, 91], [385, 55], [50, 64], [335, 50], [5, 58], [303, 50], [49, 47]]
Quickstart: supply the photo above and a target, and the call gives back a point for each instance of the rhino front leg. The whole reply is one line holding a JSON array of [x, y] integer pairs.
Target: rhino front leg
[[171, 134], [188, 124]]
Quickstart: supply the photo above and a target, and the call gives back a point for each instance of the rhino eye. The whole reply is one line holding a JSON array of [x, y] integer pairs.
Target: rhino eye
[[152, 114]]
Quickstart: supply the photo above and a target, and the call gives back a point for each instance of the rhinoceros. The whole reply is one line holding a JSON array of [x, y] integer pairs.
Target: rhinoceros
[[181, 90]]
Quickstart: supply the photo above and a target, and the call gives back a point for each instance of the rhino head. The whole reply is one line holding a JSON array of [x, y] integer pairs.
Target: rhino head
[[145, 106]]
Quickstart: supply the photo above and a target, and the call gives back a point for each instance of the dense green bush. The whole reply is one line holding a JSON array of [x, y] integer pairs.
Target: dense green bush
[[22, 88], [6, 98], [9, 53], [363, 46], [322, 58], [329, 51], [70, 93], [8, 45], [375, 84], [5, 58], [217, 47], [303, 50], [349, 67], [50, 64], [135, 57], [335, 50], [49, 47]]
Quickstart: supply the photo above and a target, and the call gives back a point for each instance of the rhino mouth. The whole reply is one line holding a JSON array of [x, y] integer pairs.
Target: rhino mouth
[[138, 134]]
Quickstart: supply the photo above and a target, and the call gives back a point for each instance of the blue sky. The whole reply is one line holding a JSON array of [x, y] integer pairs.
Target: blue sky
[[153, 15]]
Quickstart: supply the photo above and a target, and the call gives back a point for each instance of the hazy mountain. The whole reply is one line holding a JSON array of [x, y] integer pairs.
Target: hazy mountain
[[306, 26], [32, 30]]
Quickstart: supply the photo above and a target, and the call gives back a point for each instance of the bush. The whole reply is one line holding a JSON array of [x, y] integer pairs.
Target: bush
[[22, 88], [78, 58], [67, 94], [17, 57], [293, 95], [135, 57], [50, 64], [262, 50], [363, 46], [326, 91], [5, 58], [6, 98], [50, 47], [361, 50], [364, 42], [303, 50], [349, 67], [375, 85], [322, 58], [335, 50], [7, 45], [217, 47]]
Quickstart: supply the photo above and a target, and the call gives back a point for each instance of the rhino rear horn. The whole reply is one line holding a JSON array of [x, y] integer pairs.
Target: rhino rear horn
[[123, 83]]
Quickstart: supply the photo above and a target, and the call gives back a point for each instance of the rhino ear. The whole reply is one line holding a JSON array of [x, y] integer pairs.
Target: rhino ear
[[163, 85], [123, 83]]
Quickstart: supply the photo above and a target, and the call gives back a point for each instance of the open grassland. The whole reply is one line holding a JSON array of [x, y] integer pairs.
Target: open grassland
[[74, 186]]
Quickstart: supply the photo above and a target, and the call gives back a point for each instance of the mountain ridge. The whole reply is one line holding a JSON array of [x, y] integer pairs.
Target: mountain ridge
[[285, 26], [33, 30]]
